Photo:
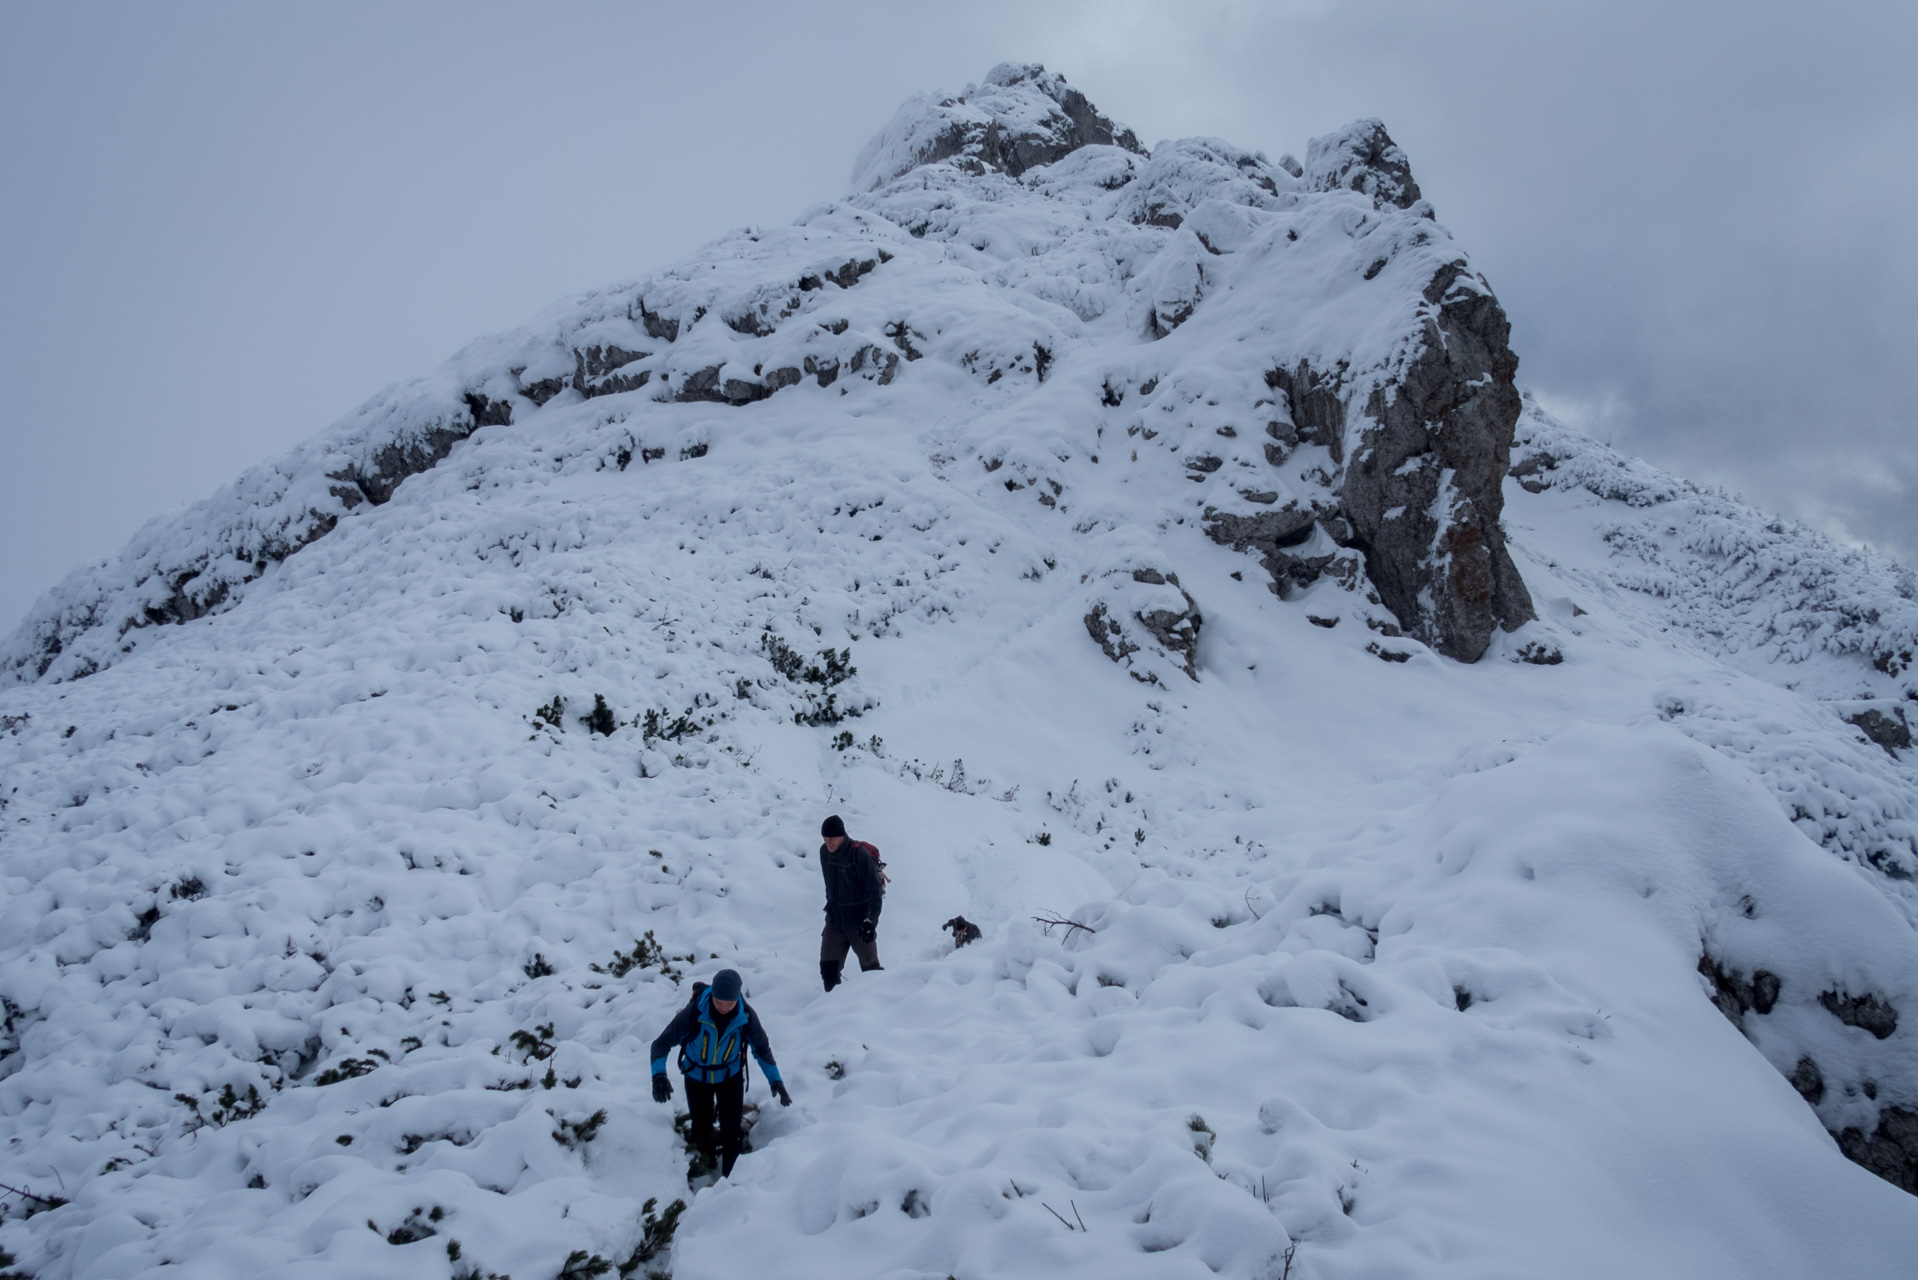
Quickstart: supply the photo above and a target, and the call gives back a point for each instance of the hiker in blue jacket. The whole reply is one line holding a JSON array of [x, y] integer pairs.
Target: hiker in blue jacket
[[713, 1033]]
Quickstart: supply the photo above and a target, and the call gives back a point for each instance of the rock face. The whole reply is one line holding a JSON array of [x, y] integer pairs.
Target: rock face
[[1890, 1151], [1422, 453], [1886, 728], [1423, 489], [1362, 157]]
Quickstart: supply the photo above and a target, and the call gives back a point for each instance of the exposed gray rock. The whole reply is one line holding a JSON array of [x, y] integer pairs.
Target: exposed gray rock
[[1889, 731], [658, 327], [1439, 559], [1317, 408], [541, 390], [1866, 1012], [596, 371], [1420, 468], [1361, 157], [412, 453], [1108, 634], [1176, 630], [1890, 1151], [1808, 1080], [1274, 535], [1530, 470], [970, 132], [1736, 995]]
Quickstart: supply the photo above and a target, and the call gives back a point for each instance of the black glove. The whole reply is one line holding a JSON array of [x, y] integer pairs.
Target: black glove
[[868, 930], [779, 1092], [662, 1088]]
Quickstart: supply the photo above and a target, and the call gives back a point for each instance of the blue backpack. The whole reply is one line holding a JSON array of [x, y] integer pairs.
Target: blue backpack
[[713, 1052]]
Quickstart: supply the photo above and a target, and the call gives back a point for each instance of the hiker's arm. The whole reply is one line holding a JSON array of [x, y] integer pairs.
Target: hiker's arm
[[675, 1034], [761, 1046]]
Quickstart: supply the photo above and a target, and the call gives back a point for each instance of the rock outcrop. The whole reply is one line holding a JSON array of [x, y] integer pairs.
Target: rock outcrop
[[1143, 615], [1423, 488], [987, 129], [1421, 448]]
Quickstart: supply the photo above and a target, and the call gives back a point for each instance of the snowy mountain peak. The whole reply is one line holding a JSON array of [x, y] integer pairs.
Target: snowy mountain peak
[[1021, 117], [1014, 237], [1393, 818]]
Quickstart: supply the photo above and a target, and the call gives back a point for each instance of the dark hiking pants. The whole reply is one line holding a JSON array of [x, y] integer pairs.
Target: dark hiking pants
[[727, 1098], [834, 943]]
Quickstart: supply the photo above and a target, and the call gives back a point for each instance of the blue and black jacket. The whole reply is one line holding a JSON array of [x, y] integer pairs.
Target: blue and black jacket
[[713, 1048]]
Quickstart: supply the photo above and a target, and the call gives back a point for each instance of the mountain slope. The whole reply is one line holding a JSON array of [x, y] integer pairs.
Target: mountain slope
[[1092, 529]]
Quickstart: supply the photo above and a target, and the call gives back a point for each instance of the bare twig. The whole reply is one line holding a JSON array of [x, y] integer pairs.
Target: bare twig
[[1055, 1213], [1249, 907], [53, 1202], [1051, 919], [1290, 1249], [1075, 1213]]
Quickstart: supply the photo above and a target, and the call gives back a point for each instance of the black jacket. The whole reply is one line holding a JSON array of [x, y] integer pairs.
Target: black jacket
[[854, 892]]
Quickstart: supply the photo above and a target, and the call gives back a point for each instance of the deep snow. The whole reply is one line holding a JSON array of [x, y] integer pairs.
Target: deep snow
[[1396, 961]]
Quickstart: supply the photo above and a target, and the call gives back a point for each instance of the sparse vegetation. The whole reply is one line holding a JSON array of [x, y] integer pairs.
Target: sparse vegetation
[[581, 1265], [601, 719], [1202, 1136], [538, 1044], [348, 1069], [574, 1134], [832, 669], [646, 954], [656, 725], [227, 1108], [552, 715], [656, 1235]]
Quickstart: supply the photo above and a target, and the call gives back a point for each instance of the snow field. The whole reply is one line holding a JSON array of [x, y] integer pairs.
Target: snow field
[[1402, 804], [330, 927]]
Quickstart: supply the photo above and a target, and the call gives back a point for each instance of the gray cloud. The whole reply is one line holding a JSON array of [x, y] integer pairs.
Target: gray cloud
[[224, 225]]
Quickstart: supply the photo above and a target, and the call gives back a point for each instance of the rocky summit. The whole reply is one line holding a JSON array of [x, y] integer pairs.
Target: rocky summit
[[1408, 837]]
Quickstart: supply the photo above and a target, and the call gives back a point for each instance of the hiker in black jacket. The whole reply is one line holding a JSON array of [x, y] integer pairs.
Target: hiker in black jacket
[[854, 894], [713, 1034]]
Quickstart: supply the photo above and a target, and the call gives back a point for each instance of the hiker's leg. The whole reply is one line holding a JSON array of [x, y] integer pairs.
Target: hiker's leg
[[731, 1097], [833, 946], [699, 1101], [868, 953]]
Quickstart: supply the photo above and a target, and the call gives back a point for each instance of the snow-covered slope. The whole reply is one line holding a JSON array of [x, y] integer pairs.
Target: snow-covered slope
[[1092, 530]]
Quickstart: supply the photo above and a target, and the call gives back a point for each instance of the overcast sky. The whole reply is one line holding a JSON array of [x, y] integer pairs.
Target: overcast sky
[[222, 226]]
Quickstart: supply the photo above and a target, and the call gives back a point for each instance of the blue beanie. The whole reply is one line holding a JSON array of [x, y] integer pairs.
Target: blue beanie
[[726, 984]]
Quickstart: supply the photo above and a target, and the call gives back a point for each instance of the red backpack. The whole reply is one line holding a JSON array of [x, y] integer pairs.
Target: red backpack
[[872, 851]]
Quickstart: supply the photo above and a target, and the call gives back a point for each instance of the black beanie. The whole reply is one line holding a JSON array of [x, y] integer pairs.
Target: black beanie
[[726, 984], [832, 827]]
